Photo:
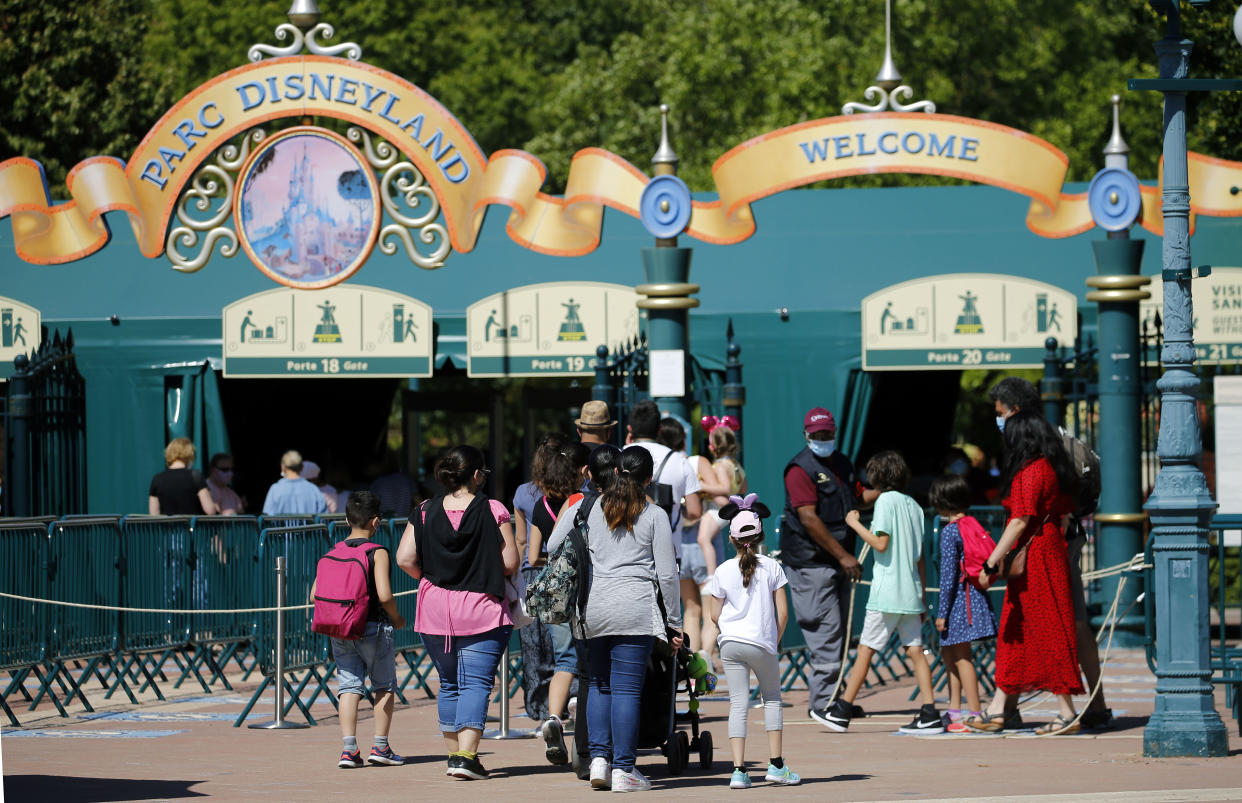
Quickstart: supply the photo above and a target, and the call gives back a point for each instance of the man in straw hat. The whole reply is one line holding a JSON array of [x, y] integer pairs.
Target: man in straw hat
[[595, 424]]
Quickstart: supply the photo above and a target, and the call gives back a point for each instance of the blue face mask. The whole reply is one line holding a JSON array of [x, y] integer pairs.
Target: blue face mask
[[1000, 423], [821, 448]]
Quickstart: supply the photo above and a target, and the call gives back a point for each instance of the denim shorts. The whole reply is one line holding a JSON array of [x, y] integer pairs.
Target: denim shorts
[[372, 655], [693, 566], [565, 654]]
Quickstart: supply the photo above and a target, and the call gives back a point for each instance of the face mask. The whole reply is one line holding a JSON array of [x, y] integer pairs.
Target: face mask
[[225, 476], [958, 467], [821, 448], [1000, 423]]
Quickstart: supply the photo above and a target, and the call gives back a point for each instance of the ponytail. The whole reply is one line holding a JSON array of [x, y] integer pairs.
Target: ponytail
[[747, 557], [625, 497]]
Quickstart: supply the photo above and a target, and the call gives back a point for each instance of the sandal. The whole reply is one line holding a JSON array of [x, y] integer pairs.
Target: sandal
[[1059, 727], [986, 723]]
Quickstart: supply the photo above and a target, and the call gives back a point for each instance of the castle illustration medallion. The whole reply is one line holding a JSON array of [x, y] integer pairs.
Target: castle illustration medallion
[[307, 208]]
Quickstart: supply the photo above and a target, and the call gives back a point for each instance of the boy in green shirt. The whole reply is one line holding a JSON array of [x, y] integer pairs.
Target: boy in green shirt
[[895, 604]]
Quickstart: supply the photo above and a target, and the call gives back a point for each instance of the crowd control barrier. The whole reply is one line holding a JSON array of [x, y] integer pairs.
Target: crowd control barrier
[[224, 562], [304, 652], [23, 569], [83, 566], [155, 573]]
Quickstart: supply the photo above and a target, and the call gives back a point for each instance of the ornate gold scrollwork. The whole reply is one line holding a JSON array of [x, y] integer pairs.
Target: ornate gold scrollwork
[[211, 193]]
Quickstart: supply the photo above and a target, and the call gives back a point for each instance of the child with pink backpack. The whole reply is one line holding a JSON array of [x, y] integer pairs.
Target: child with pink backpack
[[354, 606], [964, 614]]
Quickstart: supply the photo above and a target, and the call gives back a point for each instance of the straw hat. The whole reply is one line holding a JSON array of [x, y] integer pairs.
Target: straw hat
[[595, 415]]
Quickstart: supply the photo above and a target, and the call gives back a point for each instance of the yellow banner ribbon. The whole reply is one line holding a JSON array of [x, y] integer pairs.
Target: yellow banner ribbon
[[149, 186]]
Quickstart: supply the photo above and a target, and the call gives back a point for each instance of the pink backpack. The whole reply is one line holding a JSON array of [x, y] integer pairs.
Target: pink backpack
[[977, 546], [342, 597]]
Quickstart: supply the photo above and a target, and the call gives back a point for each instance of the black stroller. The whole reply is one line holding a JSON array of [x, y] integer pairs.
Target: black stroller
[[657, 727]]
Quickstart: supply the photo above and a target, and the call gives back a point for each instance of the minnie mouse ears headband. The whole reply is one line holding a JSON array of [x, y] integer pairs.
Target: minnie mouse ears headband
[[745, 515], [710, 422]]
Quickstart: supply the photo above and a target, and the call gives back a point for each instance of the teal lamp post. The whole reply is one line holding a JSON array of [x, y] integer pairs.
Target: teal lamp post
[[1185, 722], [1116, 203], [665, 212]]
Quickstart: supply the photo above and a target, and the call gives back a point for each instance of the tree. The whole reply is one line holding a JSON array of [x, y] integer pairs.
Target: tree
[[72, 84]]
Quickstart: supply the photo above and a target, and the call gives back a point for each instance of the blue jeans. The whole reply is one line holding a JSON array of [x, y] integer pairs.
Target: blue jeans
[[467, 675], [618, 668]]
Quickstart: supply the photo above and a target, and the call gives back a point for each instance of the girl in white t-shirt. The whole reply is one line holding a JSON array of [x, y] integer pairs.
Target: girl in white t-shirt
[[749, 607]]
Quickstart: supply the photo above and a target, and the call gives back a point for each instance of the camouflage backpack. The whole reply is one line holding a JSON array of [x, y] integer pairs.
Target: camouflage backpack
[[563, 584]]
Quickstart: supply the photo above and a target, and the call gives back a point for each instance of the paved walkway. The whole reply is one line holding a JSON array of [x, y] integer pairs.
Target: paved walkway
[[186, 747]]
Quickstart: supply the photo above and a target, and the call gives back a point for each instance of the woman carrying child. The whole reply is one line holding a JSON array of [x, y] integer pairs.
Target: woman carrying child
[[460, 544], [633, 602], [718, 480], [964, 614], [750, 610]]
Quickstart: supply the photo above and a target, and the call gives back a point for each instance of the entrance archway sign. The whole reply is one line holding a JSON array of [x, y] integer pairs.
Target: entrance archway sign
[[430, 167], [964, 320], [1217, 300], [21, 331], [549, 329], [348, 330]]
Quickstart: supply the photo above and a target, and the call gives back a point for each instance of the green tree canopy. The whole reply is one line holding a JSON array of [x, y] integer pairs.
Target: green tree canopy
[[554, 77]]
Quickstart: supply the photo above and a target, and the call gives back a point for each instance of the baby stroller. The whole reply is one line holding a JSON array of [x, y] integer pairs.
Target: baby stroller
[[657, 727]]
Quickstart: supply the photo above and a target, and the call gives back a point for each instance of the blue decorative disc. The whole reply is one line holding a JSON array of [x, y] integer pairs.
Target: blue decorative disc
[[665, 206], [1115, 199]]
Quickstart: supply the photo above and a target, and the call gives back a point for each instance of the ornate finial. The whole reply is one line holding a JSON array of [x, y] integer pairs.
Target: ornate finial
[[304, 14], [305, 31], [1116, 147], [888, 89], [888, 78], [664, 155]]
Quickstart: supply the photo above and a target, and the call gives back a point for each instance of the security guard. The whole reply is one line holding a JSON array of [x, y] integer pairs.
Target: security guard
[[817, 550]]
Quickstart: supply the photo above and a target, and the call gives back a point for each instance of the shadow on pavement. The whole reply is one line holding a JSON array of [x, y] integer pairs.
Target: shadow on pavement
[[94, 790]]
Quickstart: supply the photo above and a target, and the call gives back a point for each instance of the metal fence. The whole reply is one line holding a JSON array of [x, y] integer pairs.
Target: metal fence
[[168, 563]]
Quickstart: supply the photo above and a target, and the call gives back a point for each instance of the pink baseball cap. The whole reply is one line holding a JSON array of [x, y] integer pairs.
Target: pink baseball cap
[[745, 525], [819, 420]]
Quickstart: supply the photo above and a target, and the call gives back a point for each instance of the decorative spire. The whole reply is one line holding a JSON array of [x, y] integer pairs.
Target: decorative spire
[[1116, 152], [304, 14], [888, 91], [888, 78], [664, 155]]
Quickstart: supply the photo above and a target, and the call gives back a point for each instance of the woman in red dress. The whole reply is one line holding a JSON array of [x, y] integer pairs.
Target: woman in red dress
[[1036, 644]]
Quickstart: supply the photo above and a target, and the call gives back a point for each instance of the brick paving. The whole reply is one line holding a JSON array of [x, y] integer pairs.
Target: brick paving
[[186, 747]]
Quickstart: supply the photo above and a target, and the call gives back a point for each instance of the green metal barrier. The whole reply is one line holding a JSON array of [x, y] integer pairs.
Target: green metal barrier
[[23, 636], [155, 573], [83, 566], [225, 551], [291, 520], [305, 651]]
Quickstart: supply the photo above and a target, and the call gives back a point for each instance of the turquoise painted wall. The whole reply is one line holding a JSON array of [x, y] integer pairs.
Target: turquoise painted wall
[[816, 252]]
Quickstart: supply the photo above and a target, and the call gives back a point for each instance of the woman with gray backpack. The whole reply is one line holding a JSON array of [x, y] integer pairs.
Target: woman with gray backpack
[[634, 600]]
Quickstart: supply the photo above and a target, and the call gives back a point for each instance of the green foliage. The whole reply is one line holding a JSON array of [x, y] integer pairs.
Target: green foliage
[[77, 80], [70, 86]]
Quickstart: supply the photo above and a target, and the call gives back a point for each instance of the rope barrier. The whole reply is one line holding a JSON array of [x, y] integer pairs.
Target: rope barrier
[[177, 611]]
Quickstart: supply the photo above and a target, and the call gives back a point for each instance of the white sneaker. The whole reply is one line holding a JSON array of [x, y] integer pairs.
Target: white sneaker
[[632, 781], [600, 776], [573, 708]]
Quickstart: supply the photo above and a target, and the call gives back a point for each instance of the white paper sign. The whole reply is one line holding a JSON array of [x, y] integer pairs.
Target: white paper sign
[[666, 377]]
